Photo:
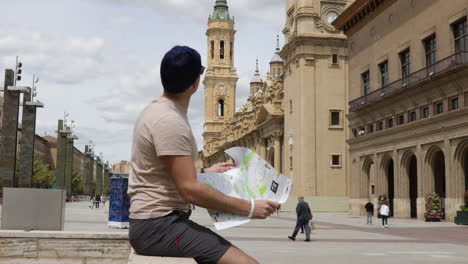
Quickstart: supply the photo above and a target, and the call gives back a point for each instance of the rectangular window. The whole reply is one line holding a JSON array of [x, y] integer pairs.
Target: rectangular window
[[401, 119], [430, 48], [380, 125], [466, 99], [366, 82], [355, 132], [405, 65], [221, 50], [425, 112], [454, 103], [335, 118], [212, 49], [390, 123], [383, 73], [370, 128], [412, 116], [336, 160], [460, 34], [438, 108], [335, 58]]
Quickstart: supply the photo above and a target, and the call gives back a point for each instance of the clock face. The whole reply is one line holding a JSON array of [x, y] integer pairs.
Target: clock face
[[331, 16]]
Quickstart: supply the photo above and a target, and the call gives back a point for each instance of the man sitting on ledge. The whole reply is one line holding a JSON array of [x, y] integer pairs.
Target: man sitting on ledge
[[163, 182]]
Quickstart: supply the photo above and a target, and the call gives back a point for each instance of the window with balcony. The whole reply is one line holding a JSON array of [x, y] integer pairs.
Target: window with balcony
[[405, 61], [365, 77], [460, 34], [412, 116], [425, 112], [390, 123], [401, 119], [430, 49], [380, 126], [383, 67], [454, 103], [438, 108]]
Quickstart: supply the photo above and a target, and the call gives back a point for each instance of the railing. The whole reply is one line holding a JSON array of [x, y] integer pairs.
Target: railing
[[457, 60]]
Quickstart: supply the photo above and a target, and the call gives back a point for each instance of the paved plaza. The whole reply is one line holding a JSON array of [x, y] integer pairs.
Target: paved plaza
[[337, 239]]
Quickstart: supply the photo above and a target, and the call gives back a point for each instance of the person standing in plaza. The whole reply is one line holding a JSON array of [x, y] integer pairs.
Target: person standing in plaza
[[163, 182], [97, 200], [304, 215], [370, 212], [384, 210]]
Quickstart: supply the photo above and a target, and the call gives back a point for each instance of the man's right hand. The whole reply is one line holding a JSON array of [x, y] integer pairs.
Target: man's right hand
[[264, 208]]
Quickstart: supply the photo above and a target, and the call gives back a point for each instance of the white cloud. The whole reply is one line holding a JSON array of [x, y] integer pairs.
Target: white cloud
[[58, 58], [198, 10]]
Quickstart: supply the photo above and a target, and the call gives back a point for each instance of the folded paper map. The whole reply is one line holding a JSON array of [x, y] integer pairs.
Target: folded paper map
[[253, 178]]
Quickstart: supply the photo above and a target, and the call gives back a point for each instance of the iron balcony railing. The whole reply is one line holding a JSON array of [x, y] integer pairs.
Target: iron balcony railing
[[457, 60]]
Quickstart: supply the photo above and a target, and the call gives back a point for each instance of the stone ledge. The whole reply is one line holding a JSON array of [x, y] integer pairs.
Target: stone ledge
[[134, 258], [62, 235]]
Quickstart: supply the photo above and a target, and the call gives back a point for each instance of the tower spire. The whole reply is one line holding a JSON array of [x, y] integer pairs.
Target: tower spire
[[277, 43]]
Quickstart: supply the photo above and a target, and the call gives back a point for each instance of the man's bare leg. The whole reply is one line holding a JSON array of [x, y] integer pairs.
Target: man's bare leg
[[236, 256]]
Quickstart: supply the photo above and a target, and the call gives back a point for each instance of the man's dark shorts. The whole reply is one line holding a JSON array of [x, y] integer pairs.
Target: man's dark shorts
[[175, 235]]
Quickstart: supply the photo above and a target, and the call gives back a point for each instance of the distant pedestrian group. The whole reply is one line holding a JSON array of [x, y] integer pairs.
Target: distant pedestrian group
[[384, 211], [95, 200]]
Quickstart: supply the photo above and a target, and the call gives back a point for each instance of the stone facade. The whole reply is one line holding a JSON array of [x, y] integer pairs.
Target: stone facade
[[315, 82], [54, 247], [295, 119], [408, 103]]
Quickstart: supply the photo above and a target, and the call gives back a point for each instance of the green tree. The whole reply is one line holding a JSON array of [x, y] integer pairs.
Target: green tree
[[77, 183], [43, 177]]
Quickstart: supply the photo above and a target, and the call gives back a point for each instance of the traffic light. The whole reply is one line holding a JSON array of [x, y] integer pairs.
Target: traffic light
[[18, 71]]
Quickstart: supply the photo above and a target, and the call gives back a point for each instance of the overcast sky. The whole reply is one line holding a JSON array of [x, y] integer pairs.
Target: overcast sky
[[99, 59]]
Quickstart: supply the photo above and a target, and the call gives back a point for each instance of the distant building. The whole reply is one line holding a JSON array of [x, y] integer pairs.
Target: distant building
[[123, 167]]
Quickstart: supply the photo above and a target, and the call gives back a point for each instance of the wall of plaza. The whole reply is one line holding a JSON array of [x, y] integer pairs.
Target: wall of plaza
[[408, 86]]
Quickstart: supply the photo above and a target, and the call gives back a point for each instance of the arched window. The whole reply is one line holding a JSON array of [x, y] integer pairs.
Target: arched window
[[221, 50], [212, 49], [231, 50], [221, 108]]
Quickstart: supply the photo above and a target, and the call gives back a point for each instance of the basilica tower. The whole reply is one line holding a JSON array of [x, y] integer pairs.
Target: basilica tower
[[316, 103], [221, 76]]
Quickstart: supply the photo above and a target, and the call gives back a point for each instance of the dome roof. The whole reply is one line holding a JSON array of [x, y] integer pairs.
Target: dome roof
[[276, 57]]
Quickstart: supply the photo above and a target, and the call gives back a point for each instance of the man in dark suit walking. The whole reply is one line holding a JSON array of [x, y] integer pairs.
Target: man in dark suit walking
[[303, 217]]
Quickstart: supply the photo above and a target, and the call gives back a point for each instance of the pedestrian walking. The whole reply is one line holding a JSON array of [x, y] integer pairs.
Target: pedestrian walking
[[91, 202], [97, 200], [384, 210], [304, 215], [370, 212]]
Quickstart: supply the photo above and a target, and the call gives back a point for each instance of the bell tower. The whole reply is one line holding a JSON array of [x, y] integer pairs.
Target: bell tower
[[221, 75]]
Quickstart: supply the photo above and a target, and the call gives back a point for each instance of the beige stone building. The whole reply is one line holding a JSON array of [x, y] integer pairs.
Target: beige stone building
[[122, 167], [408, 91], [315, 82], [295, 118]]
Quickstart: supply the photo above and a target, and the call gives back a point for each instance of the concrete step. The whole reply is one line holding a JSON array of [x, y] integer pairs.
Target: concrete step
[[134, 258]]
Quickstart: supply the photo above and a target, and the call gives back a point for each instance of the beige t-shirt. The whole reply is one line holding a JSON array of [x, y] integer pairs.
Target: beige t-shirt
[[162, 129]]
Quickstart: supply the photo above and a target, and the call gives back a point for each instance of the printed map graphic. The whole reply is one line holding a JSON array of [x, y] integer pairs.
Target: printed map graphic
[[253, 179]]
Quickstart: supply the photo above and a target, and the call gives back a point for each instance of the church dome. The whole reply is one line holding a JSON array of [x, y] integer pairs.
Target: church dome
[[276, 57]]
